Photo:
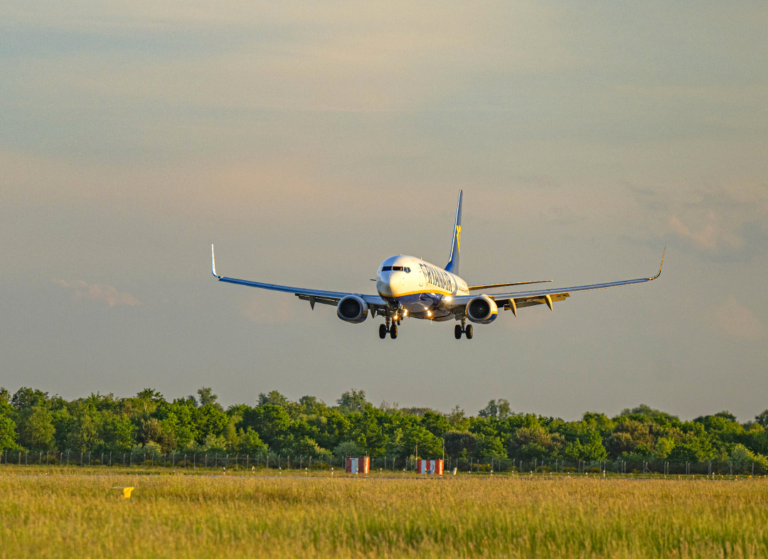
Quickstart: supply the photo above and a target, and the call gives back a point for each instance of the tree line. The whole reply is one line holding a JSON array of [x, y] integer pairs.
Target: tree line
[[32, 420]]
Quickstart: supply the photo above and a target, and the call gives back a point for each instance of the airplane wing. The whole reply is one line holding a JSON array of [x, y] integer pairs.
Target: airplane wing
[[513, 301], [311, 295]]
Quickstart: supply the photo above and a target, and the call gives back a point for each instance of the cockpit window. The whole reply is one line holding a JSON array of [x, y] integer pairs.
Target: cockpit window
[[386, 268], [397, 268]]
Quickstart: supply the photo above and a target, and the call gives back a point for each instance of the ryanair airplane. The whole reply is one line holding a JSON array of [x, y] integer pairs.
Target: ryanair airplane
[[409, 287]]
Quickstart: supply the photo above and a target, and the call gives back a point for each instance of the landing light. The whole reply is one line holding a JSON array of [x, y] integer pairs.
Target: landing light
[[405, 312], [449, 298], [429, 313]]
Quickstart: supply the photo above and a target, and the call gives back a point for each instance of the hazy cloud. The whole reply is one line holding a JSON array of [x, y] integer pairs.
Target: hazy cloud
[[98, 292], [270, 310], [737, 321], [711, 237], [715, 219]]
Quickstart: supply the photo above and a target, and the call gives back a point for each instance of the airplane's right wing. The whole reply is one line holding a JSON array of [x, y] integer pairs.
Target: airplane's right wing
[[513, 301]]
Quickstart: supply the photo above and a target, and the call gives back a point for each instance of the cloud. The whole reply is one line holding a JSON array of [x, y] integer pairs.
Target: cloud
[[718, 220], [98, 292], [737, 321], [710, 238], [272, 310]]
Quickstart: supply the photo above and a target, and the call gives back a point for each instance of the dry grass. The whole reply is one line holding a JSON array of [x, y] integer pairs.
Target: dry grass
[[196, 516]]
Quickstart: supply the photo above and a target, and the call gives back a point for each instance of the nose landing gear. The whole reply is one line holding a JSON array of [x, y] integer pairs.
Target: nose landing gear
[[459, 330]]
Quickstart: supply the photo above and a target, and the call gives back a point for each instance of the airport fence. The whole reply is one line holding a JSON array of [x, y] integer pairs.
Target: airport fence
[[325, 462]]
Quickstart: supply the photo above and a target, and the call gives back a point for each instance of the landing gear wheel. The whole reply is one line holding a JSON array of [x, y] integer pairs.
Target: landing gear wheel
[[393, 331], [382, 331], [468, 332], [457, 332]]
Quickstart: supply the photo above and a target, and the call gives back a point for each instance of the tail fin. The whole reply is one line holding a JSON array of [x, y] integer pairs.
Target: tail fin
[[453, 263]]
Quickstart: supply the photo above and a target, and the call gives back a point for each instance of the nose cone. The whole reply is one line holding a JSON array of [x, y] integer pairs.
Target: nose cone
[[383, 285], [394, 283], [389, 283]]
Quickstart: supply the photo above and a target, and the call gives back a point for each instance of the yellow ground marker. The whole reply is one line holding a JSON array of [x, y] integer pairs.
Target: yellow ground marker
[[126, 491]]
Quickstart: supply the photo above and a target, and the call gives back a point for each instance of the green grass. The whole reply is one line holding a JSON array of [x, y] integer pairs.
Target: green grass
[[52, 515]]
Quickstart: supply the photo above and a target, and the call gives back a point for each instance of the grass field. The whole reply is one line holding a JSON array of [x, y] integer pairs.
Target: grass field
[[62, 515]]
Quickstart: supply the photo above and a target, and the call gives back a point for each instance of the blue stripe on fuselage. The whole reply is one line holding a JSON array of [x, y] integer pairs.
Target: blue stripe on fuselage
[[428, 300]]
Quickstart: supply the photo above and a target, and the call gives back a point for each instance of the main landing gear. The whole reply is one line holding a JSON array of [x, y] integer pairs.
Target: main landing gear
[[459, 330], [392, 329]]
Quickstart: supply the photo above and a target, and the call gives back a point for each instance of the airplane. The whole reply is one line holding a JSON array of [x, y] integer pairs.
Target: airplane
[[409, 287]]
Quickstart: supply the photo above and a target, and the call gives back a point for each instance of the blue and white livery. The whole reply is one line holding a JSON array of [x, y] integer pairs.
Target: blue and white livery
[[409, 287]]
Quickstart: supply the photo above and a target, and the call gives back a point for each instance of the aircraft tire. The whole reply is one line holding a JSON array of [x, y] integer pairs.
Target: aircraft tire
[[457, 332], [382, 331], [393, 331], [469, 332]]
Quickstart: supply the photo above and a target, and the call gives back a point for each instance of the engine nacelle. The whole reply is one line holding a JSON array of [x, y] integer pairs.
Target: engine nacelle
[[482, 310], [352, 309]]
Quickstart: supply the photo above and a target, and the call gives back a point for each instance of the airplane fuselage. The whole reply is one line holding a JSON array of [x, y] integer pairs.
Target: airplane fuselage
[[418, 287]]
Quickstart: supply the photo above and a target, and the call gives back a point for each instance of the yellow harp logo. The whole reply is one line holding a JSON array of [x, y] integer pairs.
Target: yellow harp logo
[[458, 238]]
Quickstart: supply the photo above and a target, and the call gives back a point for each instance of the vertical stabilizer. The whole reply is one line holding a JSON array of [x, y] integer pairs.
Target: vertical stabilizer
[[453, 262]]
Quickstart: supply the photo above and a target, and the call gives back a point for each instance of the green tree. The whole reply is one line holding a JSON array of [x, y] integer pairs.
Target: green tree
[[435, 423], [352, 401], [274, 398], [490, 447], [306, 447], [84, 434], [270, 422], [116, 432], [208, 398], [366, 431], [491, 410], [26, 398], [8, 434], [762, 418], [35, 426], [311, 405], [249, 442], [535, 442], [594, 449], [457, 419], [460, 444], [664, 446], [348, 448], [429, 446]]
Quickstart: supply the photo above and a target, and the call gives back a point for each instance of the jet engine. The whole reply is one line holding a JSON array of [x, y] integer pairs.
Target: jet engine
[[482, 310], [352, 309]]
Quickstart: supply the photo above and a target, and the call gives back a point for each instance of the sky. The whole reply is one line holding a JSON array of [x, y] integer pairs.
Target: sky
[[310, 141]]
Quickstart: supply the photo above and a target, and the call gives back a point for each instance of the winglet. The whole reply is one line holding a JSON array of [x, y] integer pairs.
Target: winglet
[[660, 265], [213, 264]]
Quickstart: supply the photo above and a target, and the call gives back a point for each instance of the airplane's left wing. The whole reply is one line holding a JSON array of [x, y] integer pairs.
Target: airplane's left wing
[[513, 301], [311, 295]]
